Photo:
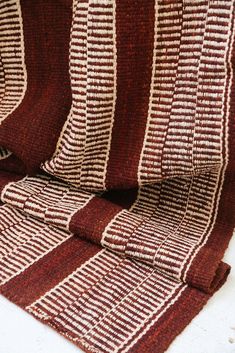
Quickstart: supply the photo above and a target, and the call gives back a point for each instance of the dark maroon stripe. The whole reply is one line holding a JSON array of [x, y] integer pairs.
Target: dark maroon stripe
[[48, 271], [90, 222], [6, 178], [123, 198], [32, 130], [135, 39], [13, 164]]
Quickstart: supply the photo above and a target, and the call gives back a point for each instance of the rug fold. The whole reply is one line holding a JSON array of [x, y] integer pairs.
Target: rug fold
[[67, 208]]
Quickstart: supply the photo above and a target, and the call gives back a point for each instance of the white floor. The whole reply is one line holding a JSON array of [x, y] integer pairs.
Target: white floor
[[212, 331]]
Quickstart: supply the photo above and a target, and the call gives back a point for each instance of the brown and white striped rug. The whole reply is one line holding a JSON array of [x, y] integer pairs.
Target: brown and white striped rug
[[117, 165]]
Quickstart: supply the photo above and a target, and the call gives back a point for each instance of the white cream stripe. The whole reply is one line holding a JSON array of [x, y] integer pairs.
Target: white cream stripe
[[11, 95], [32, 240], [126, 293], [83, 150], [50, 200]]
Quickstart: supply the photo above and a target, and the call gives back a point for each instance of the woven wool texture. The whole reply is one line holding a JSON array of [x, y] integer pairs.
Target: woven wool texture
[[117, 164]]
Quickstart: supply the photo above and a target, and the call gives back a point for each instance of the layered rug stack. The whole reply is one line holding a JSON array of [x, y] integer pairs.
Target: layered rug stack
[[117, 164]]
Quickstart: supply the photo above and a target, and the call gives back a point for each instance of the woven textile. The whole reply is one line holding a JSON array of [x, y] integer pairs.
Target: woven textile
[[117, 164]]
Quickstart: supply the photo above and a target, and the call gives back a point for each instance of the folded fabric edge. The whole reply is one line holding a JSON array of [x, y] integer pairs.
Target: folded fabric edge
[[206, 272]]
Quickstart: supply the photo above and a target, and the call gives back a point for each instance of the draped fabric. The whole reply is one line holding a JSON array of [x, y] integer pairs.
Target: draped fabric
[[117, 164]]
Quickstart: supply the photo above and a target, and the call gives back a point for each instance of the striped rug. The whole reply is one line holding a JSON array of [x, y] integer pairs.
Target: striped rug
[[117, 165]]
